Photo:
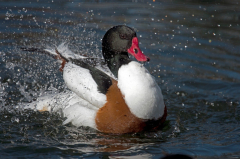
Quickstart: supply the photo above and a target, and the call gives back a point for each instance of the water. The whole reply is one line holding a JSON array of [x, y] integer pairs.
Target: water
[[194, 51]]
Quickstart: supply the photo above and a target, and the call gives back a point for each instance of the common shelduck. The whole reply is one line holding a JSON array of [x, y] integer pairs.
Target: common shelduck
[[125, 99]]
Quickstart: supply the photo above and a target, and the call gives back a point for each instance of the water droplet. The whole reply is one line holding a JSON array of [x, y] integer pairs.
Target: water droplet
[[14, 119]]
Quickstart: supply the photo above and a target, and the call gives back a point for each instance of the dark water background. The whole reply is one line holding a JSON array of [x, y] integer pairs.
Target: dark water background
[[194, 49]]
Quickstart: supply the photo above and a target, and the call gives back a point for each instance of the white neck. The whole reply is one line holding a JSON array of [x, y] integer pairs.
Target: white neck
[[142, 94]]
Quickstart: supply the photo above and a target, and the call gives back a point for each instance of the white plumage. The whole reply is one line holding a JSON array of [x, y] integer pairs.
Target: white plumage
[[80, 81], [142, 94]]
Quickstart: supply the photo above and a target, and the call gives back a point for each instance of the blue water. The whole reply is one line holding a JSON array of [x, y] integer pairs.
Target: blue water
[[194, 51]]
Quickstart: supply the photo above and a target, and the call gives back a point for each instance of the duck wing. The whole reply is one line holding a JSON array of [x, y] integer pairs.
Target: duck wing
[[102, 80], [88, 77]]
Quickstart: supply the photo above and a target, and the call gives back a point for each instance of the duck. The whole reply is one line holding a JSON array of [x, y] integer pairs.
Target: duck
[[113, 95]]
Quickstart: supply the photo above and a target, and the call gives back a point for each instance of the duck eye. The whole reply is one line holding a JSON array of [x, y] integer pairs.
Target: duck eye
[[136, 51], [122, 36]]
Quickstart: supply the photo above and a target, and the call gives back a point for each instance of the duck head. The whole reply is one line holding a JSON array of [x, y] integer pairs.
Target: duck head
[[122, 40]]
